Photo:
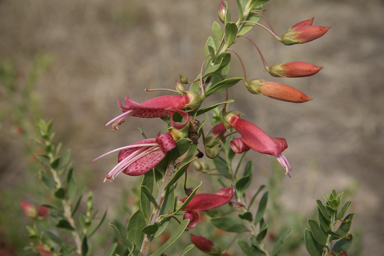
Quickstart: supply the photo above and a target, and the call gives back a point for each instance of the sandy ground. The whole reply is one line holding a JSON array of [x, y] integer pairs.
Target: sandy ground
[[104, 50]]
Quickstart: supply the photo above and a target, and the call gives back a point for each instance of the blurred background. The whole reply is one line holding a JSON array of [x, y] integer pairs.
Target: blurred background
[[70, 60]]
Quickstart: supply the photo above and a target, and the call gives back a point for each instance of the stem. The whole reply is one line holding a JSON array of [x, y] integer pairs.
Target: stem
[[261, 25], [155, 214], [329, 238], [161, 89], [261, 55], [242, 64], [265, 20]]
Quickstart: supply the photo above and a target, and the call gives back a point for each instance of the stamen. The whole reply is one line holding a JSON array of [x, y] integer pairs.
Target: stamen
[[121, 117], [126, 147]]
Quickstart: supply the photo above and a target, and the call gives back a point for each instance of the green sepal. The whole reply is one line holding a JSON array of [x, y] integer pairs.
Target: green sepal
[[228, 224], [187, 249], [176, 234]]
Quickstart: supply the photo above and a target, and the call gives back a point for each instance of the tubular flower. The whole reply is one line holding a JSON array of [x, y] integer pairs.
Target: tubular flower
[[140, 157], [257, 139], [276, 91], [294, 69], [205, 245], [203, 202], [158, 107], [303, 32]]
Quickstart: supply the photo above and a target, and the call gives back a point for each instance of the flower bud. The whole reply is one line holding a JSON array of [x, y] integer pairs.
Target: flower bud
[[222, 12], [302, 35], [294, 69], [179, 88], [238, 146], [29, 209], [183, 79], [276, 91], [212, 141], [303, 23], [43, 211], [205, 245]]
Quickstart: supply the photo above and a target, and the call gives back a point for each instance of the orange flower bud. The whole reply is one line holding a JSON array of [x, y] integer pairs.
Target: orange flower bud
[[277, 91], [294, 69]]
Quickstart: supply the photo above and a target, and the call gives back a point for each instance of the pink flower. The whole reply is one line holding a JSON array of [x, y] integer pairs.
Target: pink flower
[[238, 146], [276, 91], [140, 157], [158, 107], [294, 69], [303, 32], [257, 139], [203, 202], [205, 245]]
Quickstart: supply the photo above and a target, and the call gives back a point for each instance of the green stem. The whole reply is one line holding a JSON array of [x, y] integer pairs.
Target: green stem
[[329, 238]]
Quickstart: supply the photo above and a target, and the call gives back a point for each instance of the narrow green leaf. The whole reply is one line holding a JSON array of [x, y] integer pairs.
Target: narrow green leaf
[[324, 211], [243, 183], [55, 163], [112, 250], [206, 109], [246, 216], [99, 224], [169, 201], [210, 41], [43, 159], [230, 33], [324, 223], [122, 237], [281, 240], [212, 51], [187, 249], [217, 34], [312, 246], [346, 225], [84, 246], [182, 146], [221, 166], [162, 225], [63, 223], [57, 240], [47, 182], [135, 225], [149, 195], [342, 245], [60, 193], [75, 207], [222, 85], [176, 234], [262, 207], [326, 196], [189, 198], [249, 250], [240, 162], [341, 214], [255, 195], [263, 231], [150, 229], [228, 224], [221, 61], [182, 169], [318, 234], [71, 186]]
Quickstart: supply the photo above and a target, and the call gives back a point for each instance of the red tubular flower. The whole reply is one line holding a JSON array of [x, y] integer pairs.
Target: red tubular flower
[[257, 139], [203, 202], [294, 69], [158, 107], [276, 91], [205, 245], [140, 157], [303, 32]]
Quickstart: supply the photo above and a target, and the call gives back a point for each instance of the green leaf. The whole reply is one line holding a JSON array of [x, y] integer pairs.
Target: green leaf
[[55, 163], [324, 223], [246, 216], [187, 249], [71, 186], [341, 214], [243, 183], [281, 240], [75, 207], [112, 250], [326, 196], [65, 159], [312, 246], [342, 245], [189, 198], [221, 166], [346, 225], [317, 233], [324, 211], [263, 231], [217, 34], [43, 159], [169, 201], [60, 193], [230, 33], [206, 109], [228, 224], [255, 195], [262, 207], [146, 194], [63, 223], [176, 234], [162, 225], [221, 61], [150, 229], [249, 250], [99, 224], [57, 240], [222, 85], [135, 225], [182, 146], [182, 169], [211, 42], [123, 238], [84, 246]]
